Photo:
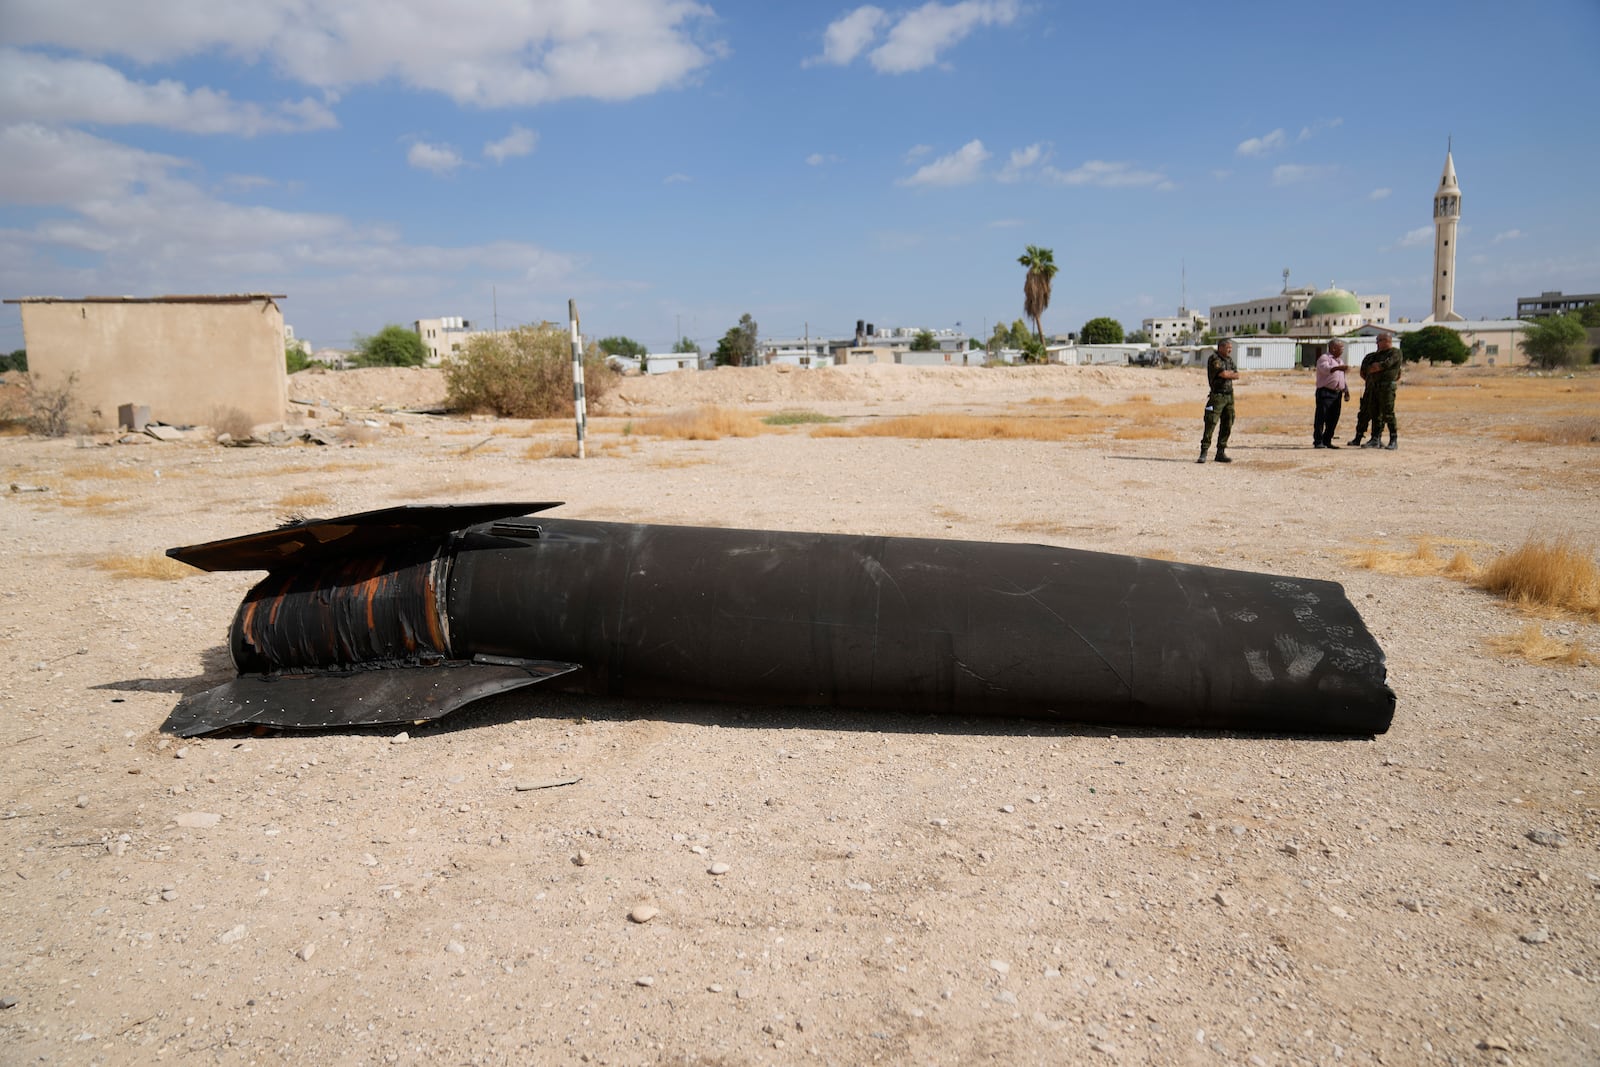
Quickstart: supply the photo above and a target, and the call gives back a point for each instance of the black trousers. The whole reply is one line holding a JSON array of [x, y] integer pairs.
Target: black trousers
[[1329, 403]]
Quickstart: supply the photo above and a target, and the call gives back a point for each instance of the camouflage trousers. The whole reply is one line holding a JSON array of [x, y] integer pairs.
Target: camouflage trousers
[[1219, 420], [1383, 409], [1367, 413]]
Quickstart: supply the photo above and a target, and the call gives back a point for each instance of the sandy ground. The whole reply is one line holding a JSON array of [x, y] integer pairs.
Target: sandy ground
[[897, 889]]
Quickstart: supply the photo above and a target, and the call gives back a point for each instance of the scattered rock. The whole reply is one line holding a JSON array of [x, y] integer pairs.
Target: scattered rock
[[198, 820], [8, 1002], [1536, 937], [1547, 838], [455, 948], [1000, 966], [1224, 898], [400, 738], [644, 980], [228, 937], [718, 868], [581, 859], [306, 951], [643, 913]]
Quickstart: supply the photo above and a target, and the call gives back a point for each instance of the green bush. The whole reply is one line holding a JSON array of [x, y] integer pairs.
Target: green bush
[[523, 374]]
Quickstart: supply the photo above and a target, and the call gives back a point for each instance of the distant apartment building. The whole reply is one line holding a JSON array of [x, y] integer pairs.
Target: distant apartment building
[[1185, 325], [1302, 312], [1556, 303], [445, 337]]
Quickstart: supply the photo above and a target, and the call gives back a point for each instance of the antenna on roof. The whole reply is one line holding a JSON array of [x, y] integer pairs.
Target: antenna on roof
[[1286, 279], [1183, 266]]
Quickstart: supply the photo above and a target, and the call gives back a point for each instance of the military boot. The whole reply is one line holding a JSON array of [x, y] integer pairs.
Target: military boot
[[1376, 442], [1223, 457], [1354, 442], [1202, 458], [1394, 443]]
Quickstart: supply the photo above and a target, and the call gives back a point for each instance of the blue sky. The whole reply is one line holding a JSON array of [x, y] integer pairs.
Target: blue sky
[[671, 164]]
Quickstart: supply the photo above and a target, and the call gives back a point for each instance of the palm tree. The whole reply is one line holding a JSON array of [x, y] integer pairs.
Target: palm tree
[[1041, 264]]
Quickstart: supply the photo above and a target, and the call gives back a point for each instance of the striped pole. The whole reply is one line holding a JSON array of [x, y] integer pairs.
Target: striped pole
[[579, 407]]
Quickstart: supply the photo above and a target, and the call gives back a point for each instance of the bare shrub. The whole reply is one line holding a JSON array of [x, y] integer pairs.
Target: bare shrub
[[1557, 573], [50, 407], [233, 422], [524, 374]]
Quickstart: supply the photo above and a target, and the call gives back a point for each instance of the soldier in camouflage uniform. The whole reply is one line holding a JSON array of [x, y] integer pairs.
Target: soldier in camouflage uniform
[[1220, 374], [1367, 413], [1386, 376]]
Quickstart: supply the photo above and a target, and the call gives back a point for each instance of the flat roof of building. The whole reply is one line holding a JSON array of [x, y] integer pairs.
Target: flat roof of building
[[198, 298]]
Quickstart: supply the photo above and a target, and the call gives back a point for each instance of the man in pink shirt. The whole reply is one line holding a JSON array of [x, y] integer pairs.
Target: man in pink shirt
[[1331, 395]]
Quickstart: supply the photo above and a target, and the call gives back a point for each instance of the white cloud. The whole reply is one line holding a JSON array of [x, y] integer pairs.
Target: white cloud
[[961, 167], [1417, 238], [917, 39], [1221, 175], [1294, 173], [68, 166], [817, 159], [1260, 146], [48, 89], [1022, 159], [917, 151], [1380, 194], [1506, 235], [676, 178], [1307, 132], [439, 159], [132, 222], [913, 40], [1109, 175], [849, 35], [484, 53], [519, 142]]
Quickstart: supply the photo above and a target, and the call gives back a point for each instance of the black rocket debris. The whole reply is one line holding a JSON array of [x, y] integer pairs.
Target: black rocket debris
[[406, 614]]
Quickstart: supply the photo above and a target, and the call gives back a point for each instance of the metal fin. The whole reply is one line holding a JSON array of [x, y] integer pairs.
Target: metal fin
[[388, 695], [309, 539]]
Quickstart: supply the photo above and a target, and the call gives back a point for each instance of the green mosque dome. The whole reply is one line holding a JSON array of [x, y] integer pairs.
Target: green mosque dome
[[1333, 301]]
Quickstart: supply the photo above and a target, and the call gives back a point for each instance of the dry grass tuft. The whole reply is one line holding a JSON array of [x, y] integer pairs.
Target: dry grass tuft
[[551, 450], [1580, 430], [151, 566], [1557, 574], [1422, 561], [1532, 644], [304, 498], [971, 428], [707, 423], [107, 472], [672, 463], [91, 501]]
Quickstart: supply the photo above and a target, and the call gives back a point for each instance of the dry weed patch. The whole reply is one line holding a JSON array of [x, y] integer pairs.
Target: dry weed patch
[[669, 463], [1556, 574], [972, 428], [304, 498], [1579, 430], [147, 566], [91, 501], [1534, 645], [707, 423], [107, 472]]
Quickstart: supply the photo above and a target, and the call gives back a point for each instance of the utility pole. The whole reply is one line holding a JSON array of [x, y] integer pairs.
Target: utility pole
[[578, 407]]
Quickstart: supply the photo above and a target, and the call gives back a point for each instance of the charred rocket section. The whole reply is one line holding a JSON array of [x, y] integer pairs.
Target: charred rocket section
[[800, 619]]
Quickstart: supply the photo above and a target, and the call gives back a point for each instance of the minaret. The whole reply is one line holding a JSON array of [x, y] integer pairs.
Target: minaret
[[1446, 216]]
